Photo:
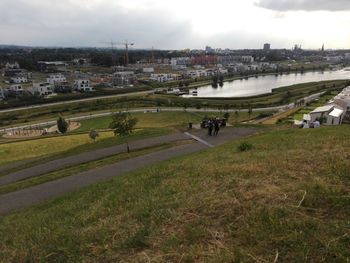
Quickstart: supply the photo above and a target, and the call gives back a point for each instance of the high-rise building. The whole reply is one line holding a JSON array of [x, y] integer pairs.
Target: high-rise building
[[267, 46]]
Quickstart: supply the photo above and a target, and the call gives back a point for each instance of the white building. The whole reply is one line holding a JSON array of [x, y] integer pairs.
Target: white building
[[164, 77], [2, 94], [247, 59], [184, 61], [82, 85], [14, 65], [19, 79], [56, 78], [42, 89], [148, 70], [327, 115], [199, 73], [18, 89]]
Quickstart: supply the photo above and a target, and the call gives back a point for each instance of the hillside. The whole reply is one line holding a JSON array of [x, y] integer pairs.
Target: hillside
[[285, 200]]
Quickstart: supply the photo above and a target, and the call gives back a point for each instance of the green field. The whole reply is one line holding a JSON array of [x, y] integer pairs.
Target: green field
[[166, 119], [60, 146], [146, 120], [84, 167], [285, 200]]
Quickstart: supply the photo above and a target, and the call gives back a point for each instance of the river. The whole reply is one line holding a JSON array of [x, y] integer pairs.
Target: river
[[265, 84]]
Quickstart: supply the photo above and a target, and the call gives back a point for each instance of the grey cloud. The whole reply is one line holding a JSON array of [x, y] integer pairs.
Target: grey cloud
[[305, 5], [71, 23]]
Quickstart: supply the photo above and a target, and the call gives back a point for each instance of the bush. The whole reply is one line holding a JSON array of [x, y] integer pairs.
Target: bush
[[245, 146]]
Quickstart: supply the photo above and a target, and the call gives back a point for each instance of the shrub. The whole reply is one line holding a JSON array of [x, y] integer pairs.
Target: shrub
[[245, 146]]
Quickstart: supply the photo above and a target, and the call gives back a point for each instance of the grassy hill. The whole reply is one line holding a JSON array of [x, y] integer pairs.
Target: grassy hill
[[285, 200]]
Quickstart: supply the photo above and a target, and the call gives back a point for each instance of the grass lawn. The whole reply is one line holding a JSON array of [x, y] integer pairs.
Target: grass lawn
[[84, 167], [286, 198], [59, 146], [146, 120], [165, 119]]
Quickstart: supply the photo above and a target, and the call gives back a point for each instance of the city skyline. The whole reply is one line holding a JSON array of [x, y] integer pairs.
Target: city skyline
[[178, 24]]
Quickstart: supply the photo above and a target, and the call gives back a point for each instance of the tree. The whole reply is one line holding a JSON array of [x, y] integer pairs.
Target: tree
[[236, 115], [62, 125], [250, 111], [93, 135], [226, 115], [123, 125]]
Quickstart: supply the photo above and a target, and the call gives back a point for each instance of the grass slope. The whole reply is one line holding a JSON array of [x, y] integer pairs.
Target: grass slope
[[287, 198], [69, 144]]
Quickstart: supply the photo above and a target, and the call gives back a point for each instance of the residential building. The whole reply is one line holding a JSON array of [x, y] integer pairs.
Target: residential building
[[51, 66], [3, 94], [199, 73], [336, 111], [19, 79], [42, 89], [247, 59], [164, 77], [14, 65], [16, 89], [204, 60], [148, 70], [53, 79], [82, 85], [183, 61], [124, 78]]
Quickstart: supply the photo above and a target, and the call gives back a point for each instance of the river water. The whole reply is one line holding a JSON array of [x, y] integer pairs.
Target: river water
[[265, 84]]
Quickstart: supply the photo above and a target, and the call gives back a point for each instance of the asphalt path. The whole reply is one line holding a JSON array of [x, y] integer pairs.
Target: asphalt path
[[94, 155], [37, 194]]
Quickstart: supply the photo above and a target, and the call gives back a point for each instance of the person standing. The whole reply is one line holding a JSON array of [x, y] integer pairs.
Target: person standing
[[216, 127], [210, 127]]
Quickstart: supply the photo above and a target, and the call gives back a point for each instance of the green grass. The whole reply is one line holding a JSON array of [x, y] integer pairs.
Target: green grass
[[287, 196], [166, 119], [84, 167], [146, 120], [60, 146]]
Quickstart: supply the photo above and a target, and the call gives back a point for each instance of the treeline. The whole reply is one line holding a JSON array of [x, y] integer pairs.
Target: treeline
[[28, 58]]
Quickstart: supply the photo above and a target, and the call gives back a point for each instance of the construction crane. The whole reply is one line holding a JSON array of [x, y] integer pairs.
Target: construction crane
[[112, 45], [126, 44]]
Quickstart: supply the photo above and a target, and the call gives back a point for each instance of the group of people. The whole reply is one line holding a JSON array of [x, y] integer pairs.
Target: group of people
[[213, 127]]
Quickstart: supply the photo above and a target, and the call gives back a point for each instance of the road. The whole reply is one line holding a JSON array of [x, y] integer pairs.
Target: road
[[75, 101]]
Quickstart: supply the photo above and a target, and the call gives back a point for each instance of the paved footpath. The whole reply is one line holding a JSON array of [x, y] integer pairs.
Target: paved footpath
[[36, 194], [69, 161]]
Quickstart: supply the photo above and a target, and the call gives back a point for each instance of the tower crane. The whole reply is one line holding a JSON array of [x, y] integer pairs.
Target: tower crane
[[126, 44]]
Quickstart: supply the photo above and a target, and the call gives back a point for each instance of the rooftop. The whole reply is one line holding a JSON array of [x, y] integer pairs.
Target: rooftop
[[325, 108], [336, 113]]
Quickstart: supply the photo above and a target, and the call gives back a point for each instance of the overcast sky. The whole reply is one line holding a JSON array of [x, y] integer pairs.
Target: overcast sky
[[177, 24]]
